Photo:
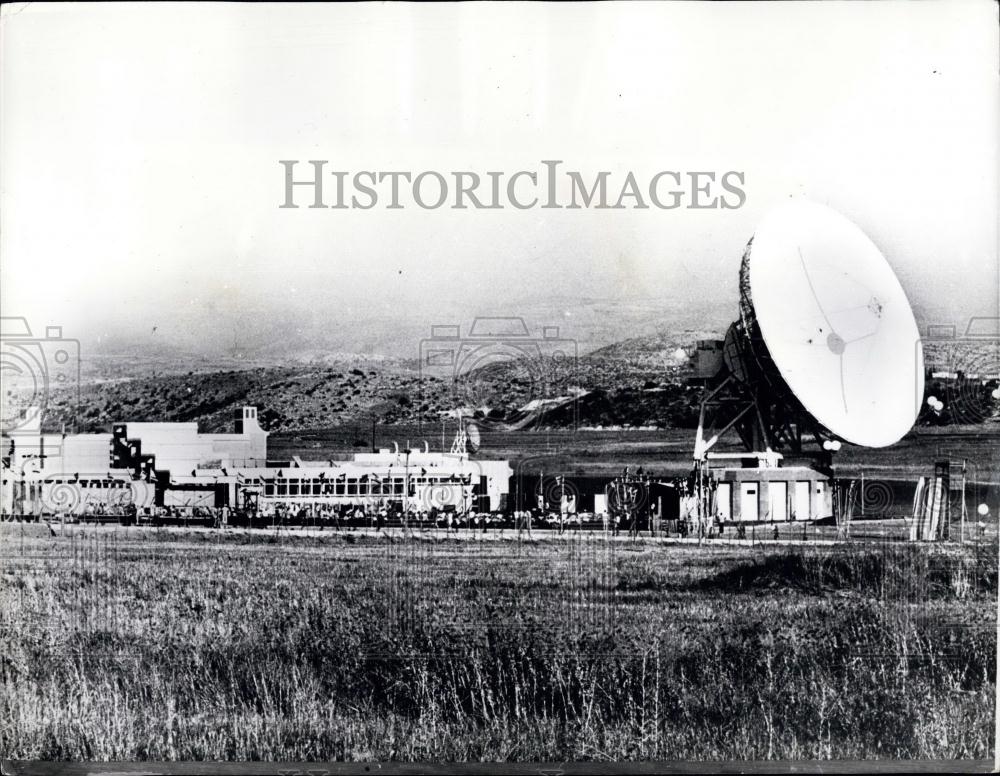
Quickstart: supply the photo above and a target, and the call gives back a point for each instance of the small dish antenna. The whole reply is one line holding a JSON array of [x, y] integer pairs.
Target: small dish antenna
[[467, 439], [473, 438]]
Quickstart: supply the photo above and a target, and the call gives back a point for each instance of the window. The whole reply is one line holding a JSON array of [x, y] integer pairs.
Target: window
[[293, 487], [352, 486]]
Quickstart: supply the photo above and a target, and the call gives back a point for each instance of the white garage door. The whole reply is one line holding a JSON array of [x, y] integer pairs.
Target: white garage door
[[778, 500], [748, 501], [802, 501], [724, 501]]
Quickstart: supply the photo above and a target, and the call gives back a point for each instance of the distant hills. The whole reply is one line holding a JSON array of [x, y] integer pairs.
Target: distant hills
[[628, 364], [319, 334], [309, 388]]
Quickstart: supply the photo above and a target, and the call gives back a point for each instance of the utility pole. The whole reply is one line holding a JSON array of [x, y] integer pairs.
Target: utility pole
[[406, 481], [541, 490], [862, 494], [563, 506]]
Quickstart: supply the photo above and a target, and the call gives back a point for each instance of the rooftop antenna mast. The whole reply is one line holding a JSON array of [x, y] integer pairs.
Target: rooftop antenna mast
[[458, 445]]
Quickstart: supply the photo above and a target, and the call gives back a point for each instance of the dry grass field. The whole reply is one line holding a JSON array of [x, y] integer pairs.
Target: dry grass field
[[165, 644]]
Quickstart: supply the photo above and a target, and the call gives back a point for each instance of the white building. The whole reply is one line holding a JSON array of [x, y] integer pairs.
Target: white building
[[393, 480], [174, 465]]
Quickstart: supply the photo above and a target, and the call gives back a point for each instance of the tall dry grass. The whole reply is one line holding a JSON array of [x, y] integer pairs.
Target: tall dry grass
[[146, 645]]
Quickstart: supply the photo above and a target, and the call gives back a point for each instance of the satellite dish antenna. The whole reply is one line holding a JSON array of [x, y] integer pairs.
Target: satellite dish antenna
[[473, 438], [826, 344], [467, 439]]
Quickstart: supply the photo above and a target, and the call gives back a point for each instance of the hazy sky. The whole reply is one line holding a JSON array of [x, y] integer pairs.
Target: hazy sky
[[140, 147]]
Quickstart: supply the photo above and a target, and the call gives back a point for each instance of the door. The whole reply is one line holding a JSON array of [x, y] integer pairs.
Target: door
[[824, 503], [748, 501], [802, 501], [777, 496], [600, 503], [724, 501]]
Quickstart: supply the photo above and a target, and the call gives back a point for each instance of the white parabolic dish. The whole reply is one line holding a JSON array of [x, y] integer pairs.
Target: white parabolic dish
[[472, 431], [837, 323]]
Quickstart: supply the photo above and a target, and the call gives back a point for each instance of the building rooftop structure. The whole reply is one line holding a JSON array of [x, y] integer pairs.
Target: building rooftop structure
[[184, 467]]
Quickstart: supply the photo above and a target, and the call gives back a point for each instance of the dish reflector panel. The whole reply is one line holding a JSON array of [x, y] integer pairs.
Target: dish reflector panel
[[836, 323]]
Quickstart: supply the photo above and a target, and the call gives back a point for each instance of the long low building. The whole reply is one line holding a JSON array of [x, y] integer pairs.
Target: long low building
[[174, 465]]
